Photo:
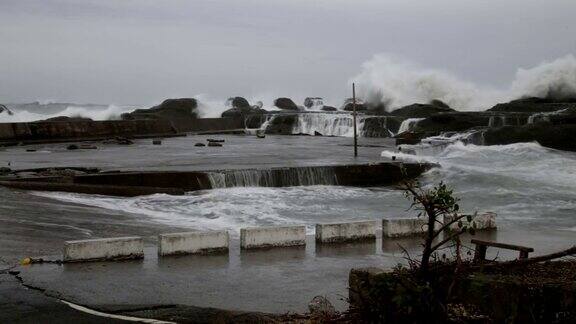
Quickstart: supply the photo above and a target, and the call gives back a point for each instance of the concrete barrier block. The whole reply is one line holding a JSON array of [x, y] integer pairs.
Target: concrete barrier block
[[278, 236], [104, 249], [402, 227], [483, 221], [346, 232], [193, 243]]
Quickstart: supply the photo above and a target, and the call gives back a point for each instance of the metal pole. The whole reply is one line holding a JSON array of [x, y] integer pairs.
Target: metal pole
[[354, 119]]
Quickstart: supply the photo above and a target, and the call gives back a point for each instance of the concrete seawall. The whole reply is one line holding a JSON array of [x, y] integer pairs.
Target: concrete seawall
[[193, 243], [178, 182], [346, 232], [104, 249], [266, 237]]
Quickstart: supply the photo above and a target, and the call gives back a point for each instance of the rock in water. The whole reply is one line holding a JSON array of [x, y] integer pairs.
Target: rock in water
[[182, 113], [328, 108], [72, 147], [313, 102], [214, 144], [320, 307], [534, 105], [285, 104], [421, 110], [199, 144], [156, 142]]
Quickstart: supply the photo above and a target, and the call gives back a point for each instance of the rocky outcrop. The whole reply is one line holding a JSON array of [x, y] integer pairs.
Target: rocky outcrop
[[380, 126], [328, 108], [286, 104], [422, 110], [180, 112], [534, 105], [311, 102]]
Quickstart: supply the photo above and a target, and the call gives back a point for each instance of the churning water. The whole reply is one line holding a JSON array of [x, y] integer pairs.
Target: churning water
[[526, 184]]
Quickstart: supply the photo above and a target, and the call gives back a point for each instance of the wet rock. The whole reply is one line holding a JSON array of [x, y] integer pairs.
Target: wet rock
[[421, 110], [72, 147], [316, 133], [534, 105], [182, 113], [285, 104], [213, 140], [328, 108], [199, 144], [214, 144], [5, 170], [321, 308], [156, 142], [440, 103], [238, 102], [30, 150]]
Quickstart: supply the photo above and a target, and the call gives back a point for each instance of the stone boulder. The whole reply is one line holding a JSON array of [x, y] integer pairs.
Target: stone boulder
[[242, 108], [328, 108], [286, 104], [182, 113], [534, 105], [421, 110]]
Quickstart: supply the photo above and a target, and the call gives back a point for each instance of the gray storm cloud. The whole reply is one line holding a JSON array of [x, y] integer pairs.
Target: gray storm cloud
[[139, 52]]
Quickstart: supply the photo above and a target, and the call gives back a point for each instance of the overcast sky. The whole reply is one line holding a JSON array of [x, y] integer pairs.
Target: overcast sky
[[141, 51]]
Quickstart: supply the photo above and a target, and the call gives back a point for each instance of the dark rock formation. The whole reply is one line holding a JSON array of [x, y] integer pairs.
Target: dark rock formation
[[421, 110], [5, 110], [534, 105], [242, 108], [328, 108], [286, 104], [559, 137], [180, 112], [380, 126], [439, 103]]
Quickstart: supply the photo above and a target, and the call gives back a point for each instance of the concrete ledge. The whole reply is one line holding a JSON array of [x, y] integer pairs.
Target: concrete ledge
[[484, 221], [265, 237], [403, 227], [346, 232], [119, 248], [193, 243]]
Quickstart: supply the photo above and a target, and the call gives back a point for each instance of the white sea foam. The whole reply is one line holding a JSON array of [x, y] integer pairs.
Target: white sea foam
[[110, 112], [397, 82]]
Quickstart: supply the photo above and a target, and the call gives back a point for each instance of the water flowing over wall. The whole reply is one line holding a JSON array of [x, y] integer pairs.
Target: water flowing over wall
[[303, 176], [409, 124], [335, 124]]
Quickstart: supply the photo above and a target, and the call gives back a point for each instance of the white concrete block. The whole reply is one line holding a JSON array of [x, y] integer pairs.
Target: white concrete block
[[346, 232], [193, 243], [104, 249], [280, 236], [484, 221], [402, 227]]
